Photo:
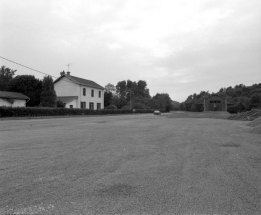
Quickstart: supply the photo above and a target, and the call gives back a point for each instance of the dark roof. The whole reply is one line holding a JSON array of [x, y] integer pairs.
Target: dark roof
[[215, 95], [66, 99], [80, 81], [12, 95]]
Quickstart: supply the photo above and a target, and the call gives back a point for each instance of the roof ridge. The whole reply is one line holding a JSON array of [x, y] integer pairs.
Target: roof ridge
[[83, 81], [15, 95], [79, 77]]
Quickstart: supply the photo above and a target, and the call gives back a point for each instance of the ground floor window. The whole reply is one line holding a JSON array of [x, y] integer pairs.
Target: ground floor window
[[71, 106], [98, 106], [91, 105], [83, 104]]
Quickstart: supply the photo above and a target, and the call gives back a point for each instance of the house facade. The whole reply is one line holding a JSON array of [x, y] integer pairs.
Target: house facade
[[215, 103], [13, 99], [76, 92]]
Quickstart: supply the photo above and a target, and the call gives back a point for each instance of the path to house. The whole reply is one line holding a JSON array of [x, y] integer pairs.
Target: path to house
[[129, 164]]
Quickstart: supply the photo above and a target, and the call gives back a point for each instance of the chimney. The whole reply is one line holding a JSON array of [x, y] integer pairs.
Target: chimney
[[62, 73], [68, 73]]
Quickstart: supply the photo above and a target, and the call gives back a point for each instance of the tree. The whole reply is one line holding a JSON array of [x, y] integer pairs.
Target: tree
[[110, 88], [107, 98], [119, 102], [110, 91], [255, 100], [182, 106], [141, 89], [6, 75], [139, 102], [60, 104], [132, 91], [161, 101], [29, 86], [130, 86], [48, 95], [121, 89], [243, 97], [175, 105]]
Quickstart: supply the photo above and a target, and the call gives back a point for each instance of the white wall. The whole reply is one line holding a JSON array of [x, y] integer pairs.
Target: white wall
[[17, 103], [4, 103], [88, 98], [73, 103], [65, 87]]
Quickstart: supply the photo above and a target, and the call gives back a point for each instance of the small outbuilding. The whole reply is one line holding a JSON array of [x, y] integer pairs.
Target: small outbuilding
[[13, 99], [215, 102]]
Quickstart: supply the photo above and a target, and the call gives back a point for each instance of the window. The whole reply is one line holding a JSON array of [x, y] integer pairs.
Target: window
[[98, 106], [71, 106], [91, 105], [83, 104], [214, 101], [92, 93], [99, 94], [84, 91]]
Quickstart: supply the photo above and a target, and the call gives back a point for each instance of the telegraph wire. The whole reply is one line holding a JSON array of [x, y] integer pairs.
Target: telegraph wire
[[27, 67]]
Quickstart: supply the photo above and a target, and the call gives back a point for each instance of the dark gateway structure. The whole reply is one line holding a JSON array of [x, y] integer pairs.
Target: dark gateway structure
[[215, 103]]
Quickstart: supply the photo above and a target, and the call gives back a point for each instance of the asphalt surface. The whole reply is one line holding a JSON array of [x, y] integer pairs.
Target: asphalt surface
[[133, 164]]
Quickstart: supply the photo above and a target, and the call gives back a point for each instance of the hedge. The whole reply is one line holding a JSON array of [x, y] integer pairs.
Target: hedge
[[41, 111]]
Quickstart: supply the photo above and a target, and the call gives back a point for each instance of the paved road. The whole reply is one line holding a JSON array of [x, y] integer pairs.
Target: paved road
[[138, 164]]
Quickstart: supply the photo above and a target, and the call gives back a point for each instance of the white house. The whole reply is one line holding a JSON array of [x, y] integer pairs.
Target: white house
[[13, 99], [77, 92]]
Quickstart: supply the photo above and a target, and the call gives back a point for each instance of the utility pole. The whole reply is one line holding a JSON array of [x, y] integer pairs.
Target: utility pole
[[130, 98]]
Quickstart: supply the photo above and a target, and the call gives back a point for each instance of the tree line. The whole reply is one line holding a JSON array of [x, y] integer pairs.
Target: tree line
[[40, 92], [242, 98], [125, 95], [134, 95]]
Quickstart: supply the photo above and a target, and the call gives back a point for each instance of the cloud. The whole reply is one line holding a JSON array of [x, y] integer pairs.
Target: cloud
[[178, 47]]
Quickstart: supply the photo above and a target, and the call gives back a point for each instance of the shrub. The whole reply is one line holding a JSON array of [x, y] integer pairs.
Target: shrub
[[126, 107], [232, 109], [113, 107], [144, 111], [45, 111], [60, 104]]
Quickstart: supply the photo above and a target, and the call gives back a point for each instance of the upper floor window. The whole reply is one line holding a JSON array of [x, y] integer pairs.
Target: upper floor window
[[92, 93], [84, 91], [99, 94]]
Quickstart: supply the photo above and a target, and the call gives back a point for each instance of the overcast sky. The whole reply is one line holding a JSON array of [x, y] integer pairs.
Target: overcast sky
[[179, 47]]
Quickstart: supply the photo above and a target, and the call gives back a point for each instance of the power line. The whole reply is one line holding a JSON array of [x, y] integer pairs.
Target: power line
[[33, 69], [27, 67]]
